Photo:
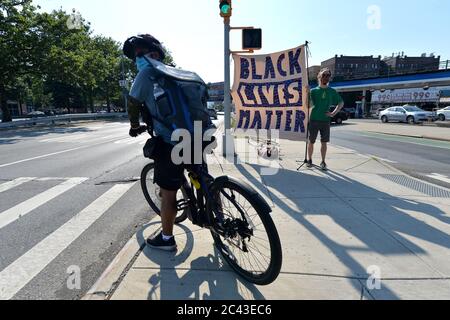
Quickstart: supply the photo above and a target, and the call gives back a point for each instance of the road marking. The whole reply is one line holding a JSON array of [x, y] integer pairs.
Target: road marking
[[440, 177], [127, 140], [63, 139], [55, 153], [14, 277], [14, 183], [85, 137], [404, 139], [40, 157], [17, 212]]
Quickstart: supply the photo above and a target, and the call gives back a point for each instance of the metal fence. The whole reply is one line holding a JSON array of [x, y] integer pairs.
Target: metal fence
[[64, 118]]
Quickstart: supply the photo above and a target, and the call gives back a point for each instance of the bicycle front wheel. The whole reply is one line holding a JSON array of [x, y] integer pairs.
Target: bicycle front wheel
[[244, 232], [152, 193]]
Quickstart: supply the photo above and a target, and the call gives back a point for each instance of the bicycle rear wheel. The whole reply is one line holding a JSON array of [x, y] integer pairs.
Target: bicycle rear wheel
[[247, 237], [152, 193]]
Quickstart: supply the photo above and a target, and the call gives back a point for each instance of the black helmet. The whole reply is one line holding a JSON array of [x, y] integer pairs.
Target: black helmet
[[142, 41]]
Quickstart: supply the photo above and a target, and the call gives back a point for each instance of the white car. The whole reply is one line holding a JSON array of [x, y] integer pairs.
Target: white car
[[444, 114], [407, 113]]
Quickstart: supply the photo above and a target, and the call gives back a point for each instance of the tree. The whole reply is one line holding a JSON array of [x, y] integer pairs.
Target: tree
[[48, 61], [16, 46]]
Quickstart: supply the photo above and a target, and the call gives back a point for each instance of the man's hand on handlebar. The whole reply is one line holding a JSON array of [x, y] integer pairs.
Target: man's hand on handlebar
[[134, 132]]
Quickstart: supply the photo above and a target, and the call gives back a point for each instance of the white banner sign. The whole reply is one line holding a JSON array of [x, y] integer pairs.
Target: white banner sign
[[268, 91], [406, 95]]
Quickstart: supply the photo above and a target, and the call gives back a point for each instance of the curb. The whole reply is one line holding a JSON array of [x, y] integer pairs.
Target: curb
[[105, 286]]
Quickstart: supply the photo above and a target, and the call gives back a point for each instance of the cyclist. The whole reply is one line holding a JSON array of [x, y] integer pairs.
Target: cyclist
[[168, 176]]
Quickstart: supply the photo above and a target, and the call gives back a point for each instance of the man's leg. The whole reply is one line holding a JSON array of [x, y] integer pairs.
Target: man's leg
[[324, 151], [310, 150], [313, 133], [325, 135], [168, 211]]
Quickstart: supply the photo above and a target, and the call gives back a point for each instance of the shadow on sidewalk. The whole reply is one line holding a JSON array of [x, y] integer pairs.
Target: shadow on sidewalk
[[206, 273], [385, 215]]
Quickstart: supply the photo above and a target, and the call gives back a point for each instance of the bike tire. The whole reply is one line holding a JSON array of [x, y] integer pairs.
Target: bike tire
[[148, 169], [264, 277]]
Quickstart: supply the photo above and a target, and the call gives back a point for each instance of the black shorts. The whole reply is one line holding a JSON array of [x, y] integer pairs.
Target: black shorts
[[319, 126], [168, 175]]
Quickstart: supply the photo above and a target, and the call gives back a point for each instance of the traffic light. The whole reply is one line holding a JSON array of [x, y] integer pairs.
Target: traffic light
[[225, 8]]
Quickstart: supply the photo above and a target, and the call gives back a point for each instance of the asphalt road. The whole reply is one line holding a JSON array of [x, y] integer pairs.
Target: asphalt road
[[69, 201], [425, 159]]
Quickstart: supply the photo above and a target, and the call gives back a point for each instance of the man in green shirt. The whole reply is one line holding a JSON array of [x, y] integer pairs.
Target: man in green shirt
[[321, 100]]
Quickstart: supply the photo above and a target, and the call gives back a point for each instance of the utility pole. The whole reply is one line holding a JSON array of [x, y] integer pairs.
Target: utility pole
[[226, 12], [123, 84], [227, 89]]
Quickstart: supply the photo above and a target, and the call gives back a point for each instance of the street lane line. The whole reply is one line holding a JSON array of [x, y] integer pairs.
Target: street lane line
[[66, 138], [17, 212], [40, 157], [14, 277], [440, 177], [14, 183], [55, 153], [124, 141]]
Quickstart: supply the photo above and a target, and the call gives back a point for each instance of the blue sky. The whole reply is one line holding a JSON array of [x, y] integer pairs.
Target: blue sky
[[193, 30]]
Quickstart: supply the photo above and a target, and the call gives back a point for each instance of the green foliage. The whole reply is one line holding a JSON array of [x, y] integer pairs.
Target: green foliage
[[46, 59]]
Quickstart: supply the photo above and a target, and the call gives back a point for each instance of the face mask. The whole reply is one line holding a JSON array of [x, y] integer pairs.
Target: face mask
[[141, 63]]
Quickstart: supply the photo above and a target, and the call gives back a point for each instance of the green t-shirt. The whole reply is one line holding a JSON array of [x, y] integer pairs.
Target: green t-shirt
[[322, 99]]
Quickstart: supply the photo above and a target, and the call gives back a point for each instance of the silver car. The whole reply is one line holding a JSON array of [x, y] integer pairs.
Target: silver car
[[444, 114], [407, 113]]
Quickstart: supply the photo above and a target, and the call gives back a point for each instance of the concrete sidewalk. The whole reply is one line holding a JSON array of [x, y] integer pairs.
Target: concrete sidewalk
[[336, 228], [415, 131]]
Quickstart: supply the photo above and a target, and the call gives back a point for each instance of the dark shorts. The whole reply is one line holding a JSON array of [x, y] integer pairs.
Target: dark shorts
[[319, 126], [168, 175]]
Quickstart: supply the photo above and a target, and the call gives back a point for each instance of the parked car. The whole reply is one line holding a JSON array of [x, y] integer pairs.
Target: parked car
[[340, 117], [407, 113], [36, 114], [380, 110], [443, 114], [212, 113], [351, 112]]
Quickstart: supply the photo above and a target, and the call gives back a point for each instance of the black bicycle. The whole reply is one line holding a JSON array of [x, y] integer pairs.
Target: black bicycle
[[237, 216]]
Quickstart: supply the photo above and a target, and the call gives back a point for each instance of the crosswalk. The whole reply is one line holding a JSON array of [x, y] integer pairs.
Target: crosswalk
[[25, 268], [439, 177], [112, 133]]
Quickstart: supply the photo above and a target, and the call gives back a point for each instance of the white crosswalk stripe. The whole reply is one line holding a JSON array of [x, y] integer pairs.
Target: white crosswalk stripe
[[12, 184], [15, 276], [17, 212], [440, 177]]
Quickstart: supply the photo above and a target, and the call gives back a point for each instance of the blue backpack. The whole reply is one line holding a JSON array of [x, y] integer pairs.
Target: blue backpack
[[181, 98]]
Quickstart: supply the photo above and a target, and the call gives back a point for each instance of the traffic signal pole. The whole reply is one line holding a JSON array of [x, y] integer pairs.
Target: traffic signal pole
[[228, 142]]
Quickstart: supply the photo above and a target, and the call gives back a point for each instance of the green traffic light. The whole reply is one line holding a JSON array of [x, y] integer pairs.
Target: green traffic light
[[225, 8]]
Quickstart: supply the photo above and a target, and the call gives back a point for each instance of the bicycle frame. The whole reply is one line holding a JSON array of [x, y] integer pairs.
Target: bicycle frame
[[198, 205], [198, 200]]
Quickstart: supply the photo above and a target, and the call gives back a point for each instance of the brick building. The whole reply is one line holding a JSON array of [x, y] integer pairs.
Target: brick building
[[313, 72], [352, 67], [402, 64]]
